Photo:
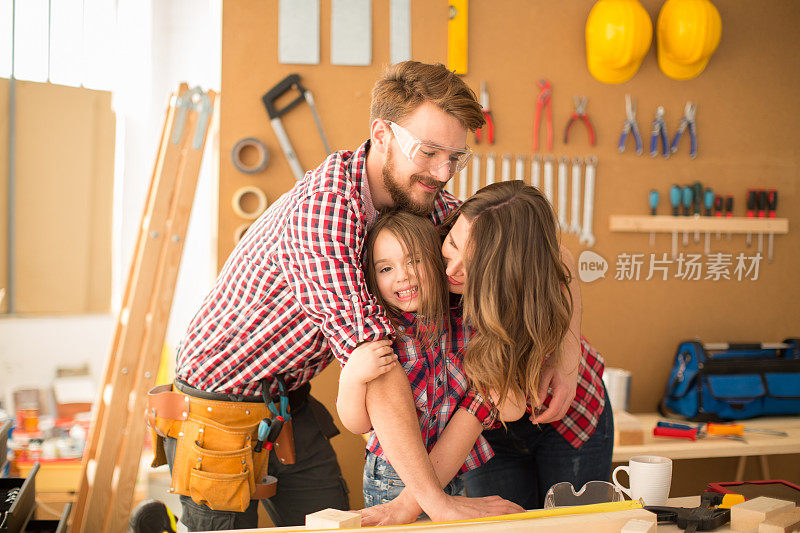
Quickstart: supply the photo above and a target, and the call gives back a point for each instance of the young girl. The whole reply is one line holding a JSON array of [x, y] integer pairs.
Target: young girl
[[405, 272]]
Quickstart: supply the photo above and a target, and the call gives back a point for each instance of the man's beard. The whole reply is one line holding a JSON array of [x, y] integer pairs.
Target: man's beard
[[400, 195]]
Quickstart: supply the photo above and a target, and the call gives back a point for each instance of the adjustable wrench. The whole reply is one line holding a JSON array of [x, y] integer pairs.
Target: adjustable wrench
[[548, 178], [536, 171], [575, 225], [587, 237], [562, 193]]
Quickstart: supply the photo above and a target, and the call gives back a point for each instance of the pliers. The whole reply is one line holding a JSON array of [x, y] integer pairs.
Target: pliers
[[487, 116], [543, 101], [580, 114], [630, 126], [659, 130], [687, 121]]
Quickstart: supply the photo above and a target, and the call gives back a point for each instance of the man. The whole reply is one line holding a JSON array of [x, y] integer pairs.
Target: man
[[292, 297]]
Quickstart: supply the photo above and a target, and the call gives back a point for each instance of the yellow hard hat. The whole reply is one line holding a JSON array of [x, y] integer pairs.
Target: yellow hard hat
[[618, 35], [688, 33]]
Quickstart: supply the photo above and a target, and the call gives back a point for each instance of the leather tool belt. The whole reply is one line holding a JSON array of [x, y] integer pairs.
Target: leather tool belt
[[215, 462]]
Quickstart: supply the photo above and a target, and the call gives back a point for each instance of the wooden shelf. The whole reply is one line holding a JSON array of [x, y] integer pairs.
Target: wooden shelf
[[669, 224]]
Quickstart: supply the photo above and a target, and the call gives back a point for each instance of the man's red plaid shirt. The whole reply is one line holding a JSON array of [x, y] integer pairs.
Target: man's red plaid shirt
[[292, 295]]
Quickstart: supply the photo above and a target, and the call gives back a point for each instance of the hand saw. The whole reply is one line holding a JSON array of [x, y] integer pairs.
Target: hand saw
[[275, 114]]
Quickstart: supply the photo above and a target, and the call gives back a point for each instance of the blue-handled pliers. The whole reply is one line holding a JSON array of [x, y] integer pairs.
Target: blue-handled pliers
[[630, 126], [687, 121], [659, 130]]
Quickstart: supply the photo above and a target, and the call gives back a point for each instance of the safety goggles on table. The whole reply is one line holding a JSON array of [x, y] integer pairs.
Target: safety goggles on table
[[430, 156], [563, 494]]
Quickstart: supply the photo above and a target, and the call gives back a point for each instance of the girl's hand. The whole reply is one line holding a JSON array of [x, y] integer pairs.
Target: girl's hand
[[369, 361]]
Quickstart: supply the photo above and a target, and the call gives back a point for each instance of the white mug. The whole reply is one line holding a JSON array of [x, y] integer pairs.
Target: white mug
[[650, 477]]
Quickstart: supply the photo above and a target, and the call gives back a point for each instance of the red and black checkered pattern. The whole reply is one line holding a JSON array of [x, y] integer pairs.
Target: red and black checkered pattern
[[292, 295]]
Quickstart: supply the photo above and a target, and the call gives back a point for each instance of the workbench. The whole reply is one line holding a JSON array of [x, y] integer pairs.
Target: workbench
[[758, 444]]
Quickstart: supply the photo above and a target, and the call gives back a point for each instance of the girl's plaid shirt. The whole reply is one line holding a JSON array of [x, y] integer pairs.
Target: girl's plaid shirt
[[439, 386]]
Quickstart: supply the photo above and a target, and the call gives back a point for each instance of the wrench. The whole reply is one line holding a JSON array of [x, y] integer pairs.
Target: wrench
[[562, 193], [587, 237], [536, 170], [575, 225], [548, 178], [462, 184], [505, 168], [476, 173], [490, 168], [519, 173]]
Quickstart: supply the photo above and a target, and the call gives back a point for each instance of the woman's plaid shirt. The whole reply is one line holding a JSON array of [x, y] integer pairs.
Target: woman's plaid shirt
[[439, 386]]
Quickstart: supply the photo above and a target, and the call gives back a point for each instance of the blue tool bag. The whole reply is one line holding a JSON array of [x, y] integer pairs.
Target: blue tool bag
[[719, 382]]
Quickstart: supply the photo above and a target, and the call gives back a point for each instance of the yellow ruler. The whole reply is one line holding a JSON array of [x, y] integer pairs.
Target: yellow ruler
[[457, 37], [558, 511]]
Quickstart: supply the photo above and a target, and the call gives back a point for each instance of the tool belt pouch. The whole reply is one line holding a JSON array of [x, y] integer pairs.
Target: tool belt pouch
[[214, 461], [215, 465], [738, 382]]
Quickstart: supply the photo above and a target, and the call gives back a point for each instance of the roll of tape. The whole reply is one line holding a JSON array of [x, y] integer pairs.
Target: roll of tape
[[250, 142], [239, 232], [240, 194]]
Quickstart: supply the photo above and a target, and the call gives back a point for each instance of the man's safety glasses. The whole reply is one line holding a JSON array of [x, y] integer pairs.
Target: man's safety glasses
[[429, 156]]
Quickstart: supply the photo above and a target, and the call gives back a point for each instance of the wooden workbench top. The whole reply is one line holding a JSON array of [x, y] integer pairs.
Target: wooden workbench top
[[713, 446]]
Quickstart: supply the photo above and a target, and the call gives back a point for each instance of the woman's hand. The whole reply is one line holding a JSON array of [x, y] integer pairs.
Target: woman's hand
[[563, 380]]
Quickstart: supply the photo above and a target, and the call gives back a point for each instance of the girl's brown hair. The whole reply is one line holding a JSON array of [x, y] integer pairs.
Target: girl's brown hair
[[516, 295], [405, 86], [420, 240]]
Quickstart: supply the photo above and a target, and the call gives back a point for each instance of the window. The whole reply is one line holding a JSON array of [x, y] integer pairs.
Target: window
[[66, 42]]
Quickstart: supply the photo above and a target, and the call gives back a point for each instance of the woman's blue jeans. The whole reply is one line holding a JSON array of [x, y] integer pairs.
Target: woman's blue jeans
[[530, 459]]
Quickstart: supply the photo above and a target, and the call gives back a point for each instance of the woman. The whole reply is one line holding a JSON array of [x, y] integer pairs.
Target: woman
[[503, 256]]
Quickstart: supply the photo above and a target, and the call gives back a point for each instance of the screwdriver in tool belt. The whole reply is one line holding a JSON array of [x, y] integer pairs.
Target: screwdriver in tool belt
[[687, 195], [752, 202], [653, 200], [729, 210], [772, 205], [675, 201], [738, 429]]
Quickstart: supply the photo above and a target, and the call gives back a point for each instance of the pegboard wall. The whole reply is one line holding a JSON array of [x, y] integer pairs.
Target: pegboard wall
[[747, 114]]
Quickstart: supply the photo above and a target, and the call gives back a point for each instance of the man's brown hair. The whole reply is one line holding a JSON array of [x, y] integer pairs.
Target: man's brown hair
[[517, 294], [407, 85], [419, 238]]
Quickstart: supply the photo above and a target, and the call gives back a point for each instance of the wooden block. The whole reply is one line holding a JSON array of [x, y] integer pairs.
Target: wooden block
[[783, 523], [627, 429], [333, 519], [638, 526], [748, 515]]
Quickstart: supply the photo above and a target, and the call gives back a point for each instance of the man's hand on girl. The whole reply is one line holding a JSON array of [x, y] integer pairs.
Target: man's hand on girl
[[370, 360], [563, 385]]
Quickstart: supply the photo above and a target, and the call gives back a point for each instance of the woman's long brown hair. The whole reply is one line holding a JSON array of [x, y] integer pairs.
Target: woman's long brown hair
[[516, 295], [419, 238]]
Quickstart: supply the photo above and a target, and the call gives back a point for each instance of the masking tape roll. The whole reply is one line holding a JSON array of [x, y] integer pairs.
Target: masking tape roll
[[250, 142], [239, 232], [240, 193]]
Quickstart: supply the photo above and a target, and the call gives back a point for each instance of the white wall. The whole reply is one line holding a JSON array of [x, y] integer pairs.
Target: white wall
[[161, 43]]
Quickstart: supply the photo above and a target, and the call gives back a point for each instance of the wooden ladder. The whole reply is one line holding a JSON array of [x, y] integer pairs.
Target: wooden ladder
[[113, 449]]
